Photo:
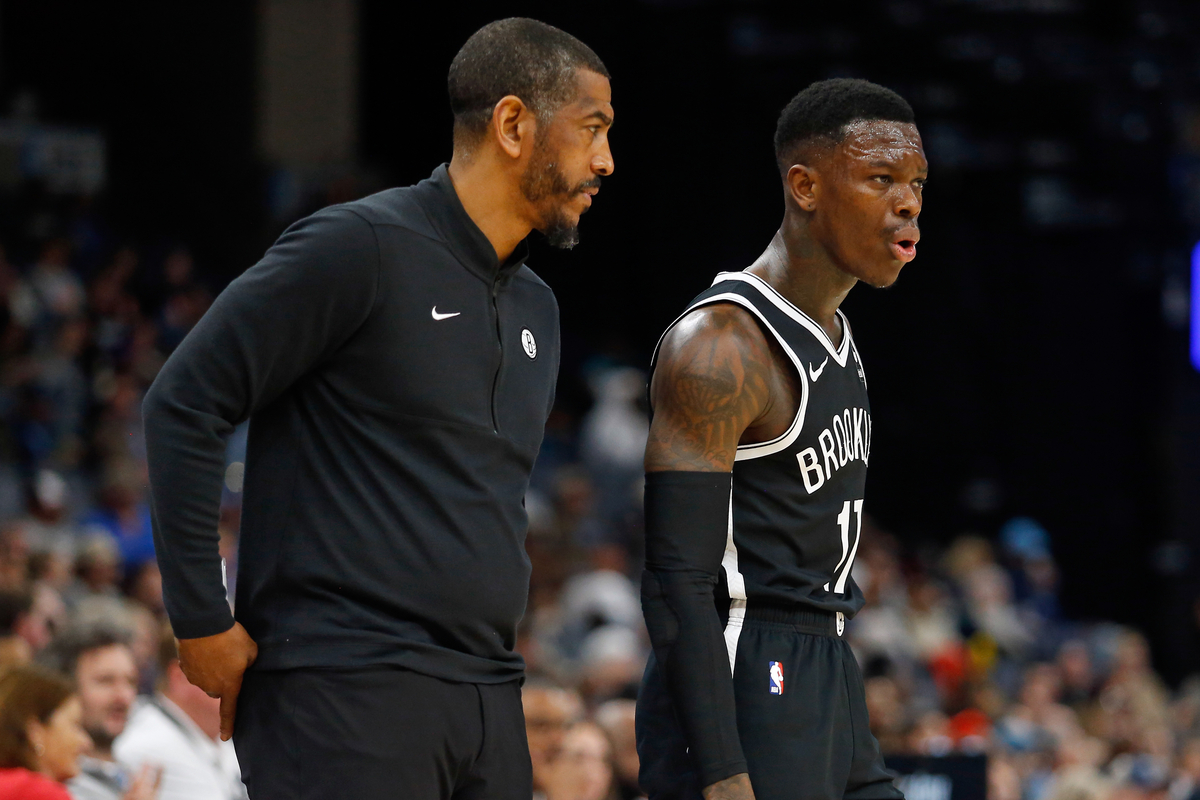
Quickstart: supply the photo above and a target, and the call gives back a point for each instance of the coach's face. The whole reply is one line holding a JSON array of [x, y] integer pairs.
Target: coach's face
[[866, 197], [570, 155]]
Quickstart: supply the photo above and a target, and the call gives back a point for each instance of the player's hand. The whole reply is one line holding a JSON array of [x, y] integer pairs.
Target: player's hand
[[736, 787], [216, 665], [145, 785]]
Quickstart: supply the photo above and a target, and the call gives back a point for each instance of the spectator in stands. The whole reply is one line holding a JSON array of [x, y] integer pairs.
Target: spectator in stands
[[148, 631], [113, 309], [1075, 666], [1186, 785], [59, 289], [185, 299], [179, 731], [612, 660], [97, 657], [41, 735], [583, 768], [123, 513], [14, 557], [47, 527], [616, 719], [550, 711], [62, 389], [15, 605], [18, 305], [612, 438], [97, 570], [144, 586], [45, 615], [119, 434]]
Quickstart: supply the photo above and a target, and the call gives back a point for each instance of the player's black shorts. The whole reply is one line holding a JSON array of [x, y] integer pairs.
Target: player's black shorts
[[801, 713], [380, 732]]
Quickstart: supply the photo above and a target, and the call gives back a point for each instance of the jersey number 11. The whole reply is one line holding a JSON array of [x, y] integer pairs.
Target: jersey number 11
[[842, 570]]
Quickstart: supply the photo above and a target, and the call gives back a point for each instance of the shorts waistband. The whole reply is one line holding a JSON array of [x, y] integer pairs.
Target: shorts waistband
[[806, 620]]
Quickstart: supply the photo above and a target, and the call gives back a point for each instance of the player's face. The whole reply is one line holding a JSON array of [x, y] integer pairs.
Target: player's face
[[570, 155], [868, 191]]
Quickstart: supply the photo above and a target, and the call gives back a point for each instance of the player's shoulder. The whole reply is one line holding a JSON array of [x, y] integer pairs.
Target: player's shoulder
[[718, 327]]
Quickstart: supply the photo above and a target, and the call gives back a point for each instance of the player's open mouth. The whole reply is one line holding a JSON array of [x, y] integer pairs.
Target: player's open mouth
[[905, 250], [904, 242]]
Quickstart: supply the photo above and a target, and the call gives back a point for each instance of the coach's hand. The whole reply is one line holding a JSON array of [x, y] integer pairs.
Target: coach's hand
[[216, 665], [736, 787]]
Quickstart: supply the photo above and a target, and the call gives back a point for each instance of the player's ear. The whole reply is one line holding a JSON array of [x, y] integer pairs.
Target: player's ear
[[513, 125], [802, 186]]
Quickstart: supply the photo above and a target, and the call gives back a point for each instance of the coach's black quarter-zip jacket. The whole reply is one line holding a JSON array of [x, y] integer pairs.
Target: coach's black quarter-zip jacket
[[397, 379]]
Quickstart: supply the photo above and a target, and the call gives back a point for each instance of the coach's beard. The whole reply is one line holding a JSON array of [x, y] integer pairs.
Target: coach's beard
[[543, 185]]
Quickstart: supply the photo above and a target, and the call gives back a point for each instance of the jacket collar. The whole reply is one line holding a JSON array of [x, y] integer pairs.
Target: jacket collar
[[462, 235]]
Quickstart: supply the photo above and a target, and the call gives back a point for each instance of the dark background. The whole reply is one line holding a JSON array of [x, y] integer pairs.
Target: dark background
[[1032, 361]]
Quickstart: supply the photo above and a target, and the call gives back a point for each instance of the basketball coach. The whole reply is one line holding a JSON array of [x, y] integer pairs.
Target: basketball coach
[[397, 362]]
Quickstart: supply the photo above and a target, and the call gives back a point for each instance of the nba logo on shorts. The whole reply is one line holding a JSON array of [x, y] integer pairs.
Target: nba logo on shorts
[[776, 677]]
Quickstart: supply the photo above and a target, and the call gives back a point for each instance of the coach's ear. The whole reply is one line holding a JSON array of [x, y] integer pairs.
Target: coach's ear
[[513, 126], [802, 186]]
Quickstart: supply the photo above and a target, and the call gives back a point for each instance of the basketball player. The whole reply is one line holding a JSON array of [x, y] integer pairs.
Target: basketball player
[[397, 362], [756, 464]]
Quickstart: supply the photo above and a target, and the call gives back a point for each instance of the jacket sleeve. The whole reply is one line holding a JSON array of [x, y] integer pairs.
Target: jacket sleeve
[[285, 315]]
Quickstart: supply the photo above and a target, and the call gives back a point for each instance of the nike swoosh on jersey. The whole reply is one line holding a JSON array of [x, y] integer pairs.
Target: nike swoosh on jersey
[[813, 374], [436, 315]]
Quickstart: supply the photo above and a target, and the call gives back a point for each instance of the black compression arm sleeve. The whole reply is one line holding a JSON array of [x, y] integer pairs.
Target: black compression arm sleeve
[[687, 517]]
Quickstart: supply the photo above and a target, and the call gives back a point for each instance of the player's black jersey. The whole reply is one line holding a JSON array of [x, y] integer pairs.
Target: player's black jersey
[[795, 514]]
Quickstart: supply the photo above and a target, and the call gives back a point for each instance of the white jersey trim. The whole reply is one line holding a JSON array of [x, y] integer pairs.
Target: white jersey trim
[[733, 630], [768, 291], [737, 591], [858, 358], [785, 439]]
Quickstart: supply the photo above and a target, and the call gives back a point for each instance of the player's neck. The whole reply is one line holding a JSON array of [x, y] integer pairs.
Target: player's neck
[[490, 197], [800, 269]]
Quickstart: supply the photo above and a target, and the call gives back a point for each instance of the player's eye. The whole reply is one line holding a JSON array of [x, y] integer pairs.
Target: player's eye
[[884, 179]]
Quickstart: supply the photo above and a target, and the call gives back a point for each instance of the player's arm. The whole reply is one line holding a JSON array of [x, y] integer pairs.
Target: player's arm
[[711, 382], [272, 325]]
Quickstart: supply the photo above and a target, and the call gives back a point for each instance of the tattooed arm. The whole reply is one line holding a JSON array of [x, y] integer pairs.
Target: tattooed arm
[[712, 382]]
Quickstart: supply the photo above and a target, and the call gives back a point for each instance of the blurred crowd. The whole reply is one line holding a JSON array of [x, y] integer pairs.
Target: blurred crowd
[[92, 695], [964, 649]]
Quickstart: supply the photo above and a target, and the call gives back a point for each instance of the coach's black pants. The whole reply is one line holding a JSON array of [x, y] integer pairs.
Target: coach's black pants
[[807, 739], [380, 732]]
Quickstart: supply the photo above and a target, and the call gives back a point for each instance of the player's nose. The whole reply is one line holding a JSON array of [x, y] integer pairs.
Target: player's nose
[[908, 205]]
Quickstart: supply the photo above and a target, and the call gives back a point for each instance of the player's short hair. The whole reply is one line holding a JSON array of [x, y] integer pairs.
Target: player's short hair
[[821, 112], [523, 57]]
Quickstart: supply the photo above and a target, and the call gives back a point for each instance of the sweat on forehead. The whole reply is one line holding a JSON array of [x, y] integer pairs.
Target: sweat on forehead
[[821, 113]]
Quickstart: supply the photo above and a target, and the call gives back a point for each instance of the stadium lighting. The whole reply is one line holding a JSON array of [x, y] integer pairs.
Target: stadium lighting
[[1195, 307]]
